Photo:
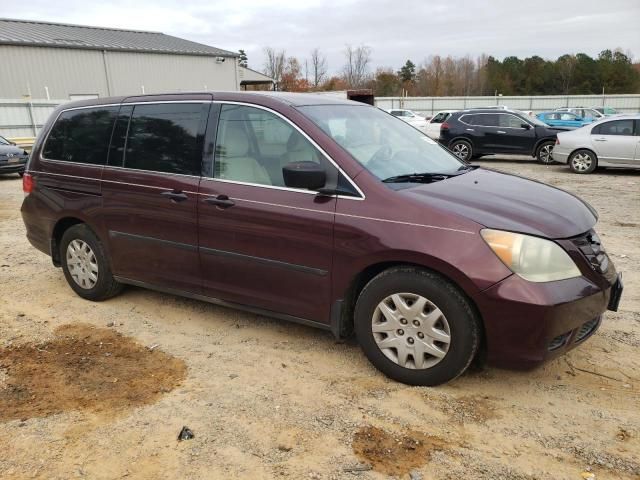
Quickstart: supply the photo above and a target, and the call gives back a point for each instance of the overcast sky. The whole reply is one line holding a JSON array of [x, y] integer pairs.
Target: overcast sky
[[395, 30]]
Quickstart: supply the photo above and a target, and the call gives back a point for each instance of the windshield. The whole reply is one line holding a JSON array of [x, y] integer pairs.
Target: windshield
[[384, 145]]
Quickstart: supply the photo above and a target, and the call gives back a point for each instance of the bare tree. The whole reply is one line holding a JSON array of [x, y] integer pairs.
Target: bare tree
[[356, 70], [566, 65], [274, 64], [318, 67]]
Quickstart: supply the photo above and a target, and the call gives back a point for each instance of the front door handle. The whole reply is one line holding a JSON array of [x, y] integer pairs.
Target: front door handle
[[175, 195], [221, 201], [501, 131], [600, 139]]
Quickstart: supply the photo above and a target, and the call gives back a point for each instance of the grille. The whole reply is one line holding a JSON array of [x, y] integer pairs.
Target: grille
[[591, 247], [586, 329], [558, 342]]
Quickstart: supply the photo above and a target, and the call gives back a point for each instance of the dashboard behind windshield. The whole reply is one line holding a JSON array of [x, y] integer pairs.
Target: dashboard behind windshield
[[383, 144]]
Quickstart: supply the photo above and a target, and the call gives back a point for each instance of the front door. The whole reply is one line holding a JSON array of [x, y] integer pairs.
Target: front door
[[149, 190], [512, 137], [263, 244]]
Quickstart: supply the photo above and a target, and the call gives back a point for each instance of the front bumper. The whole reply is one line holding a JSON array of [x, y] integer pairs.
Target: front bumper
[[530, 323], [17, 166]]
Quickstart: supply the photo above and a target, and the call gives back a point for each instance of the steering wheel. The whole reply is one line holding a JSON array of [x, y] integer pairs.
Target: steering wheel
[[381, 157]]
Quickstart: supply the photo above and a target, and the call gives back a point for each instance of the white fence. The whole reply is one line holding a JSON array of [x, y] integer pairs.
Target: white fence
[[24, 118], [431, 105]]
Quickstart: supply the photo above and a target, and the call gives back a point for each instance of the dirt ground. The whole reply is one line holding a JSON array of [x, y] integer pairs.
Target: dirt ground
[[101, 390]]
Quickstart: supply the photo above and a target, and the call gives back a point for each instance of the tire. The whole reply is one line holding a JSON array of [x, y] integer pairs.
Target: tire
[[583, 161], [461, 149], [447, 312], [81, 249], [544, 151]]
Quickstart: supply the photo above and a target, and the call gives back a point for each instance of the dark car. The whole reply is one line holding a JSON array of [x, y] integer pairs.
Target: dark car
[[321, 211], [12, 158], [470, 134]]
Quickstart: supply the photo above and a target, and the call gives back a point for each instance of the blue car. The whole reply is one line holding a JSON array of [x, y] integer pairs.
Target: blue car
[[563, 119]]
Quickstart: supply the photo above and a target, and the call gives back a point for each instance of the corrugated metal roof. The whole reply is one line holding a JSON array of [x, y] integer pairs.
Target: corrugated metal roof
[[47, 34]]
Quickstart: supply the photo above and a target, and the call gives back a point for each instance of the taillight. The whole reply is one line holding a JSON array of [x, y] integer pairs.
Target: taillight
[[557, 141], [444, 126], [28, 183]]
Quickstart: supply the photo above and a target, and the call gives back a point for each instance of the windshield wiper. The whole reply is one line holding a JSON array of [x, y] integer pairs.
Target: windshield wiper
[[426, 177], [468, 168]]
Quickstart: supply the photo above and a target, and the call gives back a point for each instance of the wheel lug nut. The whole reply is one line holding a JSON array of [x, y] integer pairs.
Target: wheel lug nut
[[416, 323], [410, 340], [403, 321], [400, 332], [420, 335]]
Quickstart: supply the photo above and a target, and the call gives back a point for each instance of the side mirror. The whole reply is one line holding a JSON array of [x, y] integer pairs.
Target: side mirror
[[579, 119], [526, 126], [307, 175]]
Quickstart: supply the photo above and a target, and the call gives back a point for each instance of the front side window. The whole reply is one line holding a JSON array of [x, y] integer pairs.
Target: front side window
[[616, 127], [385, 147], [81, 135], [568, 116], [166, 137], [253, 145], [510, 121]]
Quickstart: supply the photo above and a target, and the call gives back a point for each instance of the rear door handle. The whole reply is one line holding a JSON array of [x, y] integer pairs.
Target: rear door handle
[[175, 195], [221, 201]]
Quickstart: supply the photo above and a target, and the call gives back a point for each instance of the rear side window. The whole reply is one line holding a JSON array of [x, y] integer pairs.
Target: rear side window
[[166, 137], [81, 135], [617, 127], [484, 120]]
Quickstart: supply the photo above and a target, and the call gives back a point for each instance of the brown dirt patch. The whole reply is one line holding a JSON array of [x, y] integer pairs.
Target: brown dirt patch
[[394, 454], [83, 368]]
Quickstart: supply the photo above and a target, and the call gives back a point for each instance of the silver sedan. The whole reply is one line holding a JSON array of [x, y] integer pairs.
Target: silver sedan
[[611, 142]]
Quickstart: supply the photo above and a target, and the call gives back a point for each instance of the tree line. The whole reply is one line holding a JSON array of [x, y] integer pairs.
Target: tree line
[[579, 74]]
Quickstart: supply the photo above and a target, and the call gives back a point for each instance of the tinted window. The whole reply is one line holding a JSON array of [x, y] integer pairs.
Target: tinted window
[[510, 121], [166, 137], [253, 145], [81, 135], [119, 137], [486, 120], [441, 117], [617, 127]]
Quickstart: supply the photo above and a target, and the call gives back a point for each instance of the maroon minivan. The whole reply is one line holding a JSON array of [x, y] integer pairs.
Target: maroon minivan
[[321, 211]]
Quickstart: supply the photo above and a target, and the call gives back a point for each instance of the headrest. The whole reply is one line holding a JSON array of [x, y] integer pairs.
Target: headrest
[[236, 142]]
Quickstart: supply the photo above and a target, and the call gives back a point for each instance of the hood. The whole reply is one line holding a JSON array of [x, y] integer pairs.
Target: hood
[[4, 149], [508, 202]]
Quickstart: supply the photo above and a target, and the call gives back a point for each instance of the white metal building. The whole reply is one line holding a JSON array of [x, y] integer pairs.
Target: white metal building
[[44, 60]]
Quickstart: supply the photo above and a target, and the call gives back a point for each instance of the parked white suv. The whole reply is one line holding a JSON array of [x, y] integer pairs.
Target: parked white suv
[[411, 117], [612, 142], [433, 127]]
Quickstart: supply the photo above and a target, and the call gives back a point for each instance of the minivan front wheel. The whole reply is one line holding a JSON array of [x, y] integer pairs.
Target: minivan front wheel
[[462, 149], [85, 264], [416, 327]]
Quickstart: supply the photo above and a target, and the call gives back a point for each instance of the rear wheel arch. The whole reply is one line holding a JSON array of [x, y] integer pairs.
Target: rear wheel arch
[[61, 226]]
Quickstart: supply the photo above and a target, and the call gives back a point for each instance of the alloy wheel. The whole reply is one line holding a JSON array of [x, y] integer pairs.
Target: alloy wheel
[[461, 150], [82, 264], [545, 153], [582, 162], [411, 331]]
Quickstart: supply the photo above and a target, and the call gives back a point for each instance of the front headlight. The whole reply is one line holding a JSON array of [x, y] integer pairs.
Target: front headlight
[[534, 259]]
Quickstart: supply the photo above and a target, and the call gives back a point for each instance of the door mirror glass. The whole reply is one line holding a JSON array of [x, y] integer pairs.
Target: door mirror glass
[[309, 175]]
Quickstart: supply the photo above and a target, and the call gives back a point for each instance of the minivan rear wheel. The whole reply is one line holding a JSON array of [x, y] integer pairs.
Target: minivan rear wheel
[[85, 265], [416, 327], [583, 161], [462, 149]]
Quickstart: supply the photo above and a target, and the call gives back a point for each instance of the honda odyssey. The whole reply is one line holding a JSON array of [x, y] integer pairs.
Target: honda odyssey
[[320, 211]]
